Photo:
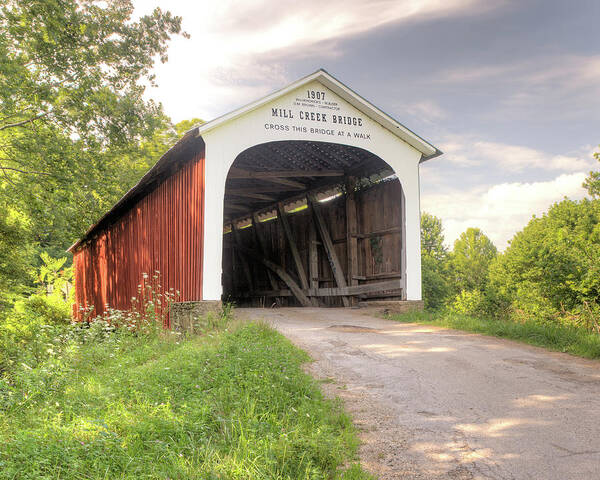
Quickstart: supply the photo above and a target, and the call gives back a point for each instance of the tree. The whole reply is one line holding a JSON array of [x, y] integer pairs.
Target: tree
[[592, 183], [16, 255], [434, 262], [432, 237], [553, 265], [470, 260], [75, 130], [76, 65], [72, 112]]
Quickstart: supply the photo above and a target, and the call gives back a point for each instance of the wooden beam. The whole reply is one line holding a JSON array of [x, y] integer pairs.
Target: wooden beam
[[279, 292], [294, 197], [379, 233], [289, 281], [258, 189], [359, 289], [285, 224], [263, 247], [313, 259], [243, 259], [336, 267], [241, 173], [379, 276], [234, 206], [368, 288], [351, 230], [284, 181], [258, 196]]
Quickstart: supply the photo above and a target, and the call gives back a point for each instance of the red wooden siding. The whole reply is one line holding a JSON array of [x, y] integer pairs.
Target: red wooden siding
[[162, 232]]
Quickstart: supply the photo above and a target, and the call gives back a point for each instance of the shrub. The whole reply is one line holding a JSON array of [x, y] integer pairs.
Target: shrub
[[50, 309], [470, 302], [552, 267], [436, 287]]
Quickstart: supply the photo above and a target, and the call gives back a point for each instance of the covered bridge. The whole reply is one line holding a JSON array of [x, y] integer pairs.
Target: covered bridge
[[309, 196]]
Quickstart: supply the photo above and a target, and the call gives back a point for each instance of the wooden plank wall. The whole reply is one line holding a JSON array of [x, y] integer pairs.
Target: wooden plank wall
[[379, 247], [162, 233]]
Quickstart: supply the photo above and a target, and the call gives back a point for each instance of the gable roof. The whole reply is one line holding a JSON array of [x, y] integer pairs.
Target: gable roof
[[354, 99]]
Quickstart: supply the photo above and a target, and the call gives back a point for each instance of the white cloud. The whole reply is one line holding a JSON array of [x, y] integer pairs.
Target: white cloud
[[426, 110], [466, 151], [568, 70], [565, 82], [500, 210], [229, 59]]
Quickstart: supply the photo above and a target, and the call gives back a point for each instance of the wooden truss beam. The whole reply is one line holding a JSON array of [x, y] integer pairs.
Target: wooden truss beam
[[282, 216], [263, 247], [291, 199], [332, 292], [289, 281], [236, 207], [257, 189], [336, 266], [284, 181], [257, 196], [238, 247], [351, 231], [313, 260]]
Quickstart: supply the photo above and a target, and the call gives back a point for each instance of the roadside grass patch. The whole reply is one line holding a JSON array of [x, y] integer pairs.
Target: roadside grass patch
[[562, 338], [232, 404]]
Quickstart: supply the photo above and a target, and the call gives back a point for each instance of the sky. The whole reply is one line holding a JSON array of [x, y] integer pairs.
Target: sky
[[508, 90]]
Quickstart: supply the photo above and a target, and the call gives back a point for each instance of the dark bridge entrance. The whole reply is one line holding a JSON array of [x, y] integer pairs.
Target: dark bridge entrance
[[312, 224]]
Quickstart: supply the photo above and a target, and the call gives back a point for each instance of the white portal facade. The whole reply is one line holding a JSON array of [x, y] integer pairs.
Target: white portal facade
[[317, 108]]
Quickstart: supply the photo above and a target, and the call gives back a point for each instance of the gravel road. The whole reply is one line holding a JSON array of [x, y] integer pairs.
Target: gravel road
[[432, 403]]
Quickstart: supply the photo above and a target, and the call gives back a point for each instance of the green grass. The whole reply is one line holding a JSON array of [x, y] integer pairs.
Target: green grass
[[228, 405], [562, 338]]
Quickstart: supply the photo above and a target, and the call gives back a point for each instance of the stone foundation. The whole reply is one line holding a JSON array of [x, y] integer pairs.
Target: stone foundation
[[386, 307], [193, 317]]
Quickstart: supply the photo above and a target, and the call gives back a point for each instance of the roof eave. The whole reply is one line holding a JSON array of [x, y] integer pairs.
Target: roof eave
[[437, 153]]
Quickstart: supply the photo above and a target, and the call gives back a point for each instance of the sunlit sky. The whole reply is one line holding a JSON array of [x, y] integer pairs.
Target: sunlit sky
[[509, 90]]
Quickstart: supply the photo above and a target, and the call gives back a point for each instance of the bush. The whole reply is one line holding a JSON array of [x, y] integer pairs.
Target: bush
[[470, 302], [552, 267], [50, 309], [436, 287]]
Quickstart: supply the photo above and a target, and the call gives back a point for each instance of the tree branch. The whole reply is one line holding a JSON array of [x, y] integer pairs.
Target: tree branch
[[24, 171], [23, 122]]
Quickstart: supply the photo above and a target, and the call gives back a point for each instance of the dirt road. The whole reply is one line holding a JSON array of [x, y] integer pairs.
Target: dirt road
[[440, 404]]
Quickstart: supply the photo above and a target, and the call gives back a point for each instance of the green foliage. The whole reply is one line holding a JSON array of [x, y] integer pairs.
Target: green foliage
[[435, 282], [78, 64], [75, 130], [592, 183], [432, 237], [468, 273], [551, 270], [559, 337], [16, 256], [53, 309], [50, 269], [434, 262], [469, 302], [470, 259], [74, 126], [234, 404]]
